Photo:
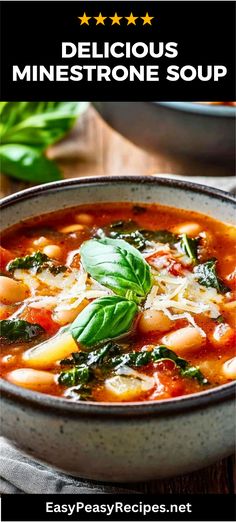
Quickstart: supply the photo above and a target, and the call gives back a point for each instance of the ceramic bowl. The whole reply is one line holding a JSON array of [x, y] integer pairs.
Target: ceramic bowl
[[197, 138], [120, 442]]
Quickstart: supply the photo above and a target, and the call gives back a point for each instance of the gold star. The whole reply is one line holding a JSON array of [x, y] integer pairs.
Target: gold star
[[131, 19], [84, 19], [147, 19], [100, 19], [115, 19]]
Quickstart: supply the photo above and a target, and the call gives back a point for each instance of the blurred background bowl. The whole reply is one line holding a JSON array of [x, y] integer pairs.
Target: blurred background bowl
[[201, 137]]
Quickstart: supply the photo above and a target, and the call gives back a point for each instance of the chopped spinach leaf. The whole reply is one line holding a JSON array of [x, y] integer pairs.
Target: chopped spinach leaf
[[110, 357], [207, 276], [189, 246], [139, 238], [38, 262], [132, 359], [76, 375], [81, 392], [186, 369], [19, 330], [138, 209]]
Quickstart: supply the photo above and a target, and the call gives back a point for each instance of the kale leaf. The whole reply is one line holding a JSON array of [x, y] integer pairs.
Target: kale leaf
[[138, 238], [207, 276], [38, 261], [189, 246], [19, 330]]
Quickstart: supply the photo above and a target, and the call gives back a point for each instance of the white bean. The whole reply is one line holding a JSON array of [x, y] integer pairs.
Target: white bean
[[229, 368], [53, 251], [222, 334], [154, 321], [191, 229], [45, 354], [184, 340], [11, 291], [41, 241], [85, 219], [30, 378], [71, 228]]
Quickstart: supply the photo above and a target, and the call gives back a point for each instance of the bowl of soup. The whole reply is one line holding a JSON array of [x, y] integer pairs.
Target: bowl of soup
[[118, 326], [193, 137]]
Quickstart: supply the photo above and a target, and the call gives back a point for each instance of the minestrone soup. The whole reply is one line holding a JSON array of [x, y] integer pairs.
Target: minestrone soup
[[118, 303]]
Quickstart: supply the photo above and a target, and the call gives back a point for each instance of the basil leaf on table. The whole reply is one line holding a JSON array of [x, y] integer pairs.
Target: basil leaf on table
[[26, 130], [38, 123], [103, 319], [19, 330], [207, 276], [117, 265], [27, 163]]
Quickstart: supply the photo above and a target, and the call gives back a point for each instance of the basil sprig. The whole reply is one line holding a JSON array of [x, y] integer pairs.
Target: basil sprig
[[103, 319], [117, 265]]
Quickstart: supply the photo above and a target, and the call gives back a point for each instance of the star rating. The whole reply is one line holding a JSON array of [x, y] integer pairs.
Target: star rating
[[147, 19], [131, 19], [100, 19], [115, 19], [84, 19]]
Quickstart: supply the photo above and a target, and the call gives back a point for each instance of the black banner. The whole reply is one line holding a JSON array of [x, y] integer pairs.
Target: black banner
[[118, 507], [95, 51]]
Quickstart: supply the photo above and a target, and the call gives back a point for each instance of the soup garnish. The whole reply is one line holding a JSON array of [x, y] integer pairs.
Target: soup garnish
[[118, 302]]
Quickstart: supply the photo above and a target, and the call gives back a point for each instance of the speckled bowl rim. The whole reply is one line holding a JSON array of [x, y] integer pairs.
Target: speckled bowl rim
[[63, 407], [218, 111]]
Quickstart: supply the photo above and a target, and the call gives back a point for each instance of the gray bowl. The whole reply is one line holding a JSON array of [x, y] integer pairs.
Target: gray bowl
[[198, 138], [120, 442]]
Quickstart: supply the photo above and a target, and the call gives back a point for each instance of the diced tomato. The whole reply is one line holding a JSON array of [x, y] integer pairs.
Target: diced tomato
[[5, 257], [175, 268], [178, 388], [165, 365], [42, 317]]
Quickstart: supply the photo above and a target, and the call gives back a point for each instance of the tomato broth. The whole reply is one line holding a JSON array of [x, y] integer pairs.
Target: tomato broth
[[118, 302]]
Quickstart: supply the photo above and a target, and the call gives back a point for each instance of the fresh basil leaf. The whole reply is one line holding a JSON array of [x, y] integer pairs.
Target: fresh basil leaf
[[27, 163], [76, 375], [207, 276], [189, 246], [117, 265], [38, 262], [19, 330], [161, 353], [39, 123], [103, 319]]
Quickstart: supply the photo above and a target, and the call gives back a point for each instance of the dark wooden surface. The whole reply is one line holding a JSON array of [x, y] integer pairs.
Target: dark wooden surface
[[92, 149]]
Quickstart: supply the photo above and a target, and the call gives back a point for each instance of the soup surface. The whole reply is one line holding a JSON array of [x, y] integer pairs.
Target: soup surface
[[118, 302]]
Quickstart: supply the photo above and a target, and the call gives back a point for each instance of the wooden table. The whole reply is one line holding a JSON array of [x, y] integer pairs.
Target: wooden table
[[92, 149]]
